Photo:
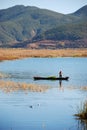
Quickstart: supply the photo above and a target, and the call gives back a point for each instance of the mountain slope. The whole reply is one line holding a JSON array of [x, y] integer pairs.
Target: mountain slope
[[19, 25], [65, 36], [82, 12], [65, 32]]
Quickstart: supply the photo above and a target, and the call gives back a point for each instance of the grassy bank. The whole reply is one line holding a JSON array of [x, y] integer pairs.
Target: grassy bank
[[11, 54]]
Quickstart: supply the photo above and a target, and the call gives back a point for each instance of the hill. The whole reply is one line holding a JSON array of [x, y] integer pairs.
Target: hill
[[82, 12], [21, 25], [65, 36]]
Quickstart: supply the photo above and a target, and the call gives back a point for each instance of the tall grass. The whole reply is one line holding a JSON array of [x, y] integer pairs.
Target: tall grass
[[10, 86], [82, 111], [84, 88], [11, 54]]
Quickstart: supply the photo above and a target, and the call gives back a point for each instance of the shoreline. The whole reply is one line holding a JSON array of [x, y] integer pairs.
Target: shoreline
[[19, 53]]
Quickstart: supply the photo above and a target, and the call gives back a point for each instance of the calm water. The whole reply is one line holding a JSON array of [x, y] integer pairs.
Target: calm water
[[51, 110]]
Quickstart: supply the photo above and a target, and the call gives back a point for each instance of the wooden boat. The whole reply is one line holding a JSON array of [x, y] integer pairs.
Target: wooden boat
[[51, 78]]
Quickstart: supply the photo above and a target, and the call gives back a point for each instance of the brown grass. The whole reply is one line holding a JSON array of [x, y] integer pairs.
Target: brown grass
[[11, 54], [10, 86], [3, 75], [84, 88], [82, 111]]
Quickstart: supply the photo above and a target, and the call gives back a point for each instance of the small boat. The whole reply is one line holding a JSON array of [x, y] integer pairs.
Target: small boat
[[51, 78]]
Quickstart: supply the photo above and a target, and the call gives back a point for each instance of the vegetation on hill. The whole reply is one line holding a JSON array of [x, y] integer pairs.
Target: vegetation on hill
[[65, 32], [82, 12], [19, 24]]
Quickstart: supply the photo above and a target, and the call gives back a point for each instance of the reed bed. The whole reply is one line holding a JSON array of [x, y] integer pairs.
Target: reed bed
[[11, 54], [81, 88], [3, 75], [84, 88], [82, 111], [10, 86]]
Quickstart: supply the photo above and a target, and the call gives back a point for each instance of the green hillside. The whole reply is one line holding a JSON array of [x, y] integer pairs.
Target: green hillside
[[65, 32], [82, 12], [20, 23]]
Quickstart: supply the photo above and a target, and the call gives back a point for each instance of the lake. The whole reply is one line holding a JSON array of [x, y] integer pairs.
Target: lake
[[52, 109]]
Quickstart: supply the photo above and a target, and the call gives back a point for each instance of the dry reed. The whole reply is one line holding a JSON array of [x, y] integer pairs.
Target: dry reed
[[11, 54], [9, 86], [2, 75], [82, 111], [84, 88]]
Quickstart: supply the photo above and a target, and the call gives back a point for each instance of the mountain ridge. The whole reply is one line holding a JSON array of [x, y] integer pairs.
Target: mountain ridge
[[81, 12], [21, 25]]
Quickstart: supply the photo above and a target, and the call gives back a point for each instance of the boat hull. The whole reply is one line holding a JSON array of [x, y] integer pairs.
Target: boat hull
[[51, 78]]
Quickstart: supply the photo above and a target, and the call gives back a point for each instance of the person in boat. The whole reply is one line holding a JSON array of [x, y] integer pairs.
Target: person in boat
[[60, 74]]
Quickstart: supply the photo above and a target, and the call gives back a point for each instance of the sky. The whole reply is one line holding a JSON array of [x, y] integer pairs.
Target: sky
[[60, 6]]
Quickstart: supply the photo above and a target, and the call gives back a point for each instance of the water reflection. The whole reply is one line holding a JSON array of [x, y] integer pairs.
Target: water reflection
[[81, 125], [61, 85]]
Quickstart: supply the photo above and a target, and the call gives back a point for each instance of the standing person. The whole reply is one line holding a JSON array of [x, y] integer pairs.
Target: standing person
[[60, 74]]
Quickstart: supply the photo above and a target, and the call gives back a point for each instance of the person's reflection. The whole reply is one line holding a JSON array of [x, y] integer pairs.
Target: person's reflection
[[60, 85]]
